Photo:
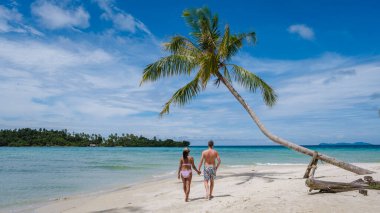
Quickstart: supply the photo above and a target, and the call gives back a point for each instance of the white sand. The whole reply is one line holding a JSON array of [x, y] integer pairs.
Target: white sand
[[246, 189]]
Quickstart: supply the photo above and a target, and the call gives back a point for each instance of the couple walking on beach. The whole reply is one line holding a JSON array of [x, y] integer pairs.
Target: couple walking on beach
[[186, 163]]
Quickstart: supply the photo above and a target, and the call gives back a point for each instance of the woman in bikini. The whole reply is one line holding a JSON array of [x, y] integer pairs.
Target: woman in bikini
[[185, 172]]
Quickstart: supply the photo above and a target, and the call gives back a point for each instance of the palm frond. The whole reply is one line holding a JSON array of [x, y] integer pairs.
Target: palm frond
[[183, 95], [235, 42], [204, 77], [225, 42], [193, 17], [204, 27], [215, 22], [208, 66], [252, 82], [168, 66], [181, 45]]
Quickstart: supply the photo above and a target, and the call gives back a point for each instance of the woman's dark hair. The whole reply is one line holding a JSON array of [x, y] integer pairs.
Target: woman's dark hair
[[185, 153]]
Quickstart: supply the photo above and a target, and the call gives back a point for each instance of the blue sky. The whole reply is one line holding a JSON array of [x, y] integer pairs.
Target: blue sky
[[76, 65]]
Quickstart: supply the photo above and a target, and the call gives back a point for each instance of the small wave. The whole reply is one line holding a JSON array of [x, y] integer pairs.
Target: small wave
[[167, 174], [237, 166], [279, 164], [113, 167]]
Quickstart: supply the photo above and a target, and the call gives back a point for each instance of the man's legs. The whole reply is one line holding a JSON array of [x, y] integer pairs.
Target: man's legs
[[211, 187], [207, 188]]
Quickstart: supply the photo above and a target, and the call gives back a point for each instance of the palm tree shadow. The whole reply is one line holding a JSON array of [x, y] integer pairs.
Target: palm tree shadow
[[117, 210], [267, 176], [203, 198]]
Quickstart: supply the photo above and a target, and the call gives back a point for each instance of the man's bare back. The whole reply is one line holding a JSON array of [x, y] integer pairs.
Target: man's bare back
[[210, 156]]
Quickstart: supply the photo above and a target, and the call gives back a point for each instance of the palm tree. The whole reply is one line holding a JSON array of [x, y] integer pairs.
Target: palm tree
[[207, 55]]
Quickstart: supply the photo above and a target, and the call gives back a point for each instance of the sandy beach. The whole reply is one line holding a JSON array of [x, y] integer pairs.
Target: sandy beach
[[269, 188]]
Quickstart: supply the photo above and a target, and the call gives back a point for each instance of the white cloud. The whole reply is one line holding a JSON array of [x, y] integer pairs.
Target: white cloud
[[44, 70], [321, 84], [120, 19], [302, 30], [12, 21], [73, 84], [326, 105], [310, 94], [54, 16], [6, 17], [327, 61], [49, 57]]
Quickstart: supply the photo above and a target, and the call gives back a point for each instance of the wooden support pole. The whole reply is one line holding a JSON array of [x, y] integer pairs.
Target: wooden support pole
[[313, 161], [313, 168]]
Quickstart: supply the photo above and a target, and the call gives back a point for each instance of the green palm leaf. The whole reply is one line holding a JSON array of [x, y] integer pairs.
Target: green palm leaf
[[204, 27], [169, 66], [224, 44], [183, 95], [236, 43], [182, 45], [252, 82]]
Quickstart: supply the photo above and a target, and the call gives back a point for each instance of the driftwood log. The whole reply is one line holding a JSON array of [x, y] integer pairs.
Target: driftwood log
[[333, 187]]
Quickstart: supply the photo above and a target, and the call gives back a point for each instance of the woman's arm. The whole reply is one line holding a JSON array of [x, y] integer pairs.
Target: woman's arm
[[194, 167], [180, 166]]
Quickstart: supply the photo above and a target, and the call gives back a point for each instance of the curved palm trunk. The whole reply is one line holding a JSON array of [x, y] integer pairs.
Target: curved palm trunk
[[276, 139]]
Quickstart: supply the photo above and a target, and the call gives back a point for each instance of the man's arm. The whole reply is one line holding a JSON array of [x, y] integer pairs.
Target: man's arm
[[218, 159], [200, 162]]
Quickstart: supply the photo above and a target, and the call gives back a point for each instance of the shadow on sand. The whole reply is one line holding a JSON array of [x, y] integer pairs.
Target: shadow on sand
[[119, 210], [267, 176], [203, 198]]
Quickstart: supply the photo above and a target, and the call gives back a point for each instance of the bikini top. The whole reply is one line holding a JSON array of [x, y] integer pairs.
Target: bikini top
[[186, 164]]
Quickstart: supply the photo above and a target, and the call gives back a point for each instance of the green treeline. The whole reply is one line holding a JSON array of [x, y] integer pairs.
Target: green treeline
[[43, 137]]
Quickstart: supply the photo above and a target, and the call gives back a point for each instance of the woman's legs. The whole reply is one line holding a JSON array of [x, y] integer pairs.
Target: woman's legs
[[184, 185], [188, 183]]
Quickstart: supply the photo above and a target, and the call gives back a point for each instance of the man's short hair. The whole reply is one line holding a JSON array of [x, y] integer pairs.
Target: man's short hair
[[211, 143]]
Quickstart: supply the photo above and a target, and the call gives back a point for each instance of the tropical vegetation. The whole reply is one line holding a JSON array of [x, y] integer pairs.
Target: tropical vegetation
[[44, 137]]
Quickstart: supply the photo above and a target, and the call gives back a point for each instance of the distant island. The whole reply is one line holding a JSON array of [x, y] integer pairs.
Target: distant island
[[44, 137], [346, 144]]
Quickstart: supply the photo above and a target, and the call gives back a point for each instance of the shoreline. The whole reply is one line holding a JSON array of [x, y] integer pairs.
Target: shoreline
[[26, 208], [244, 189]]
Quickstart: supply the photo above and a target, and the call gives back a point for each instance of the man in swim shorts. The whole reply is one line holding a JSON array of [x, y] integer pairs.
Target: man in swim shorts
[[209, 171]]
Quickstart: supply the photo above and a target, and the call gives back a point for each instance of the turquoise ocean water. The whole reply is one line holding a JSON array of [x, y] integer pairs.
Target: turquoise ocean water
[[30, 175]]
